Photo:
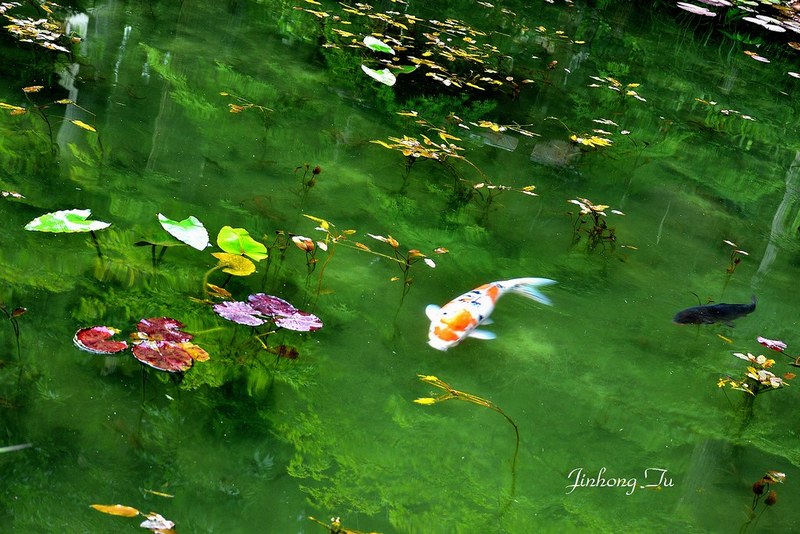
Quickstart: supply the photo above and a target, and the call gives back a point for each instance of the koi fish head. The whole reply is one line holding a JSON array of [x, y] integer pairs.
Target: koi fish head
[[448, 328]]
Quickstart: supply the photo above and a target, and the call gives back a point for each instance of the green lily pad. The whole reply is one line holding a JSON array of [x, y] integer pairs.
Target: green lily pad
[[238, 241], [383, 76], [66, 221], [190, 231], [377, 45], [405, 69]]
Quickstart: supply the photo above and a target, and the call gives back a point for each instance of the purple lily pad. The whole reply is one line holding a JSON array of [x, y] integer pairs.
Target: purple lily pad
[[299, 321], [271, 306], [97, 340], [239, 312], [163, 355], [162, 329]]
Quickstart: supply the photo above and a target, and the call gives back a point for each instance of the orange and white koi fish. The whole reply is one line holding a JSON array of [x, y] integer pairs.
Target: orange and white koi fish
[[460, 317]]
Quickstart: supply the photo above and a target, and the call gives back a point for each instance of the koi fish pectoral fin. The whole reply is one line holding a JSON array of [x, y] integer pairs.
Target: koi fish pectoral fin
[[482, 334], [432, 311], [487, 321]]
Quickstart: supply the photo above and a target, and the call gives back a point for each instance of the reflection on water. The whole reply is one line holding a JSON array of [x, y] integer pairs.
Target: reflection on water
[[219, 110]]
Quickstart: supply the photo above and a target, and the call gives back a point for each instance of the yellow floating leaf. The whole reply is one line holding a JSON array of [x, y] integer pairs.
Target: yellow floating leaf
[[217, 291], [325, 225], [314, 2], [159, 493], [81, 124], [445, 136], [725, 339], [382, 143], [116, 509], [408, 113], [3, 105], [64, 101], [197, 353], [235, 264], [425, 400], [362, 246], [33, 88]]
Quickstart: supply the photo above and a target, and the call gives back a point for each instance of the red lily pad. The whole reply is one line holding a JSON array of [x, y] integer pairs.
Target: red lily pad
[[163, 355], [271, 306], [300, 321], [97, 340], [162, 329], [239, 312]]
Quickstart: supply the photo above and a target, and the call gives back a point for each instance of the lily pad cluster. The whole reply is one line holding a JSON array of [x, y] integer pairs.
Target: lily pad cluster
[[261, 308], [158, 342]]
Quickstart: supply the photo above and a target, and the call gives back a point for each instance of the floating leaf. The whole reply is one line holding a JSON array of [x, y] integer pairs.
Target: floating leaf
[[235, 264], [81, 124], [300, 321], [384, 76], [197, 353], [157, 523], [238, 241], [66, 221], [163, 355], [97, 340], [162, 329], [271, 306], [239, 312], [116, 509], [190, 231], [377, 45]]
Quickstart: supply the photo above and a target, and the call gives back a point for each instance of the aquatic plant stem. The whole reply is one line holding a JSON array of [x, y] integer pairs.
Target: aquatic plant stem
[[96, 245], [452, 393]]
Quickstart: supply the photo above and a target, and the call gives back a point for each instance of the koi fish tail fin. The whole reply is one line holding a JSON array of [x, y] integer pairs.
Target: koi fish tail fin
[[529, 287]]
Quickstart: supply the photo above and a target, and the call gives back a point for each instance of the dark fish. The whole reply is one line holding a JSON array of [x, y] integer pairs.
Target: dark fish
[[714, 313]]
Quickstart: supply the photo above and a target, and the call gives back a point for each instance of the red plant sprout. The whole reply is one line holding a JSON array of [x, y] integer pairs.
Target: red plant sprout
[[773, 344], [158, 342]]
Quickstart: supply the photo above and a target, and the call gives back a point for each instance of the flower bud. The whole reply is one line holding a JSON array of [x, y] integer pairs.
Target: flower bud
[[771, 499]]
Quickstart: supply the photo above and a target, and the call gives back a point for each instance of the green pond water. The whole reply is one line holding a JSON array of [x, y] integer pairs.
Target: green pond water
[[704, 149]]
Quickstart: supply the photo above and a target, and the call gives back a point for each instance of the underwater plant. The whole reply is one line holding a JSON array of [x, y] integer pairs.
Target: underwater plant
[[69, 221], [39, 109], [452, 393], [405, 260], [305, 182], [158, 342], [762, 488], [12, 317], [757, 378], [736, 254], [154, 521], [599, 231], [335, 526]]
